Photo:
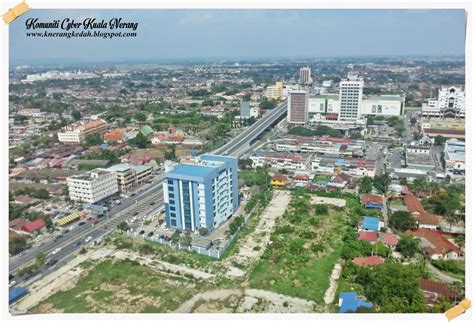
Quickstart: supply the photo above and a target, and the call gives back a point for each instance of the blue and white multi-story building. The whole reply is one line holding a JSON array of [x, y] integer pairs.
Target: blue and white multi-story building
[[202, 192]]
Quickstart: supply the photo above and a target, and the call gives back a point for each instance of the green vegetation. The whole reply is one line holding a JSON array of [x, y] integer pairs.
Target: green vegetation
[[402, 220], [267, 104], [321, 130], [408, 246], [92, 139], [123, 226], [258, 177], [142, 289], [105, 154], [140, 141], [303, 251], [89, 166], [32, 192], [17, 244], [453, 268]]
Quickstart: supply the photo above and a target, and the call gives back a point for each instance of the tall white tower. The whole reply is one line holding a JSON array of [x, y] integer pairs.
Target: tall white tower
[[350, 95]]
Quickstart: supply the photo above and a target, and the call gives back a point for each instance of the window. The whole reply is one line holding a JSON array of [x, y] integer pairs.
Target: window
[[171, 195], [173, 208], [170, 181], [173, 222]]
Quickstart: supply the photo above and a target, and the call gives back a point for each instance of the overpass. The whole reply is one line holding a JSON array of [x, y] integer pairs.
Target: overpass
[[244, 139]]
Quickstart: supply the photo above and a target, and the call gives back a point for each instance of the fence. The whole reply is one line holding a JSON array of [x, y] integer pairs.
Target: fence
[[211, 252]]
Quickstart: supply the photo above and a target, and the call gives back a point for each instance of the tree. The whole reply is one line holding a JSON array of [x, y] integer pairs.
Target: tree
[[140, 141], [185, 240], [393, 287], [402, 220], [321, 209], [123, 226], [170, 153], [92, 139], [245, 164], [17, 245], [365, 185], [76, 115], [176, 236], [267, 104], [356, 248], [439, 140], [408, 245], [417, 136], [40, 258], [140, 117], [413, 121], [203, 231], [419, 184], [381, 182]]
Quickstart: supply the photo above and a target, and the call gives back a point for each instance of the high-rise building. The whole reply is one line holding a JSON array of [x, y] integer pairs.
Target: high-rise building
[[92, 186], [350, 94], [202, 192], [305, 76], [450, 103], [297, 107], [245, 109]]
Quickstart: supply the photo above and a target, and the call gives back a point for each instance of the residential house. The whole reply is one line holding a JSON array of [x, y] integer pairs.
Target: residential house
[[428, 221], [433, 290], [279, 180], [370, 236], [413, 204], [389, 240], [371, 223], [435, 245], [349, 303], [372, 201]]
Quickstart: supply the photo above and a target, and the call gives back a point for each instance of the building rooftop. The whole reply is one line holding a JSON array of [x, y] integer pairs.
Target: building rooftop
[[141, 168], [413, 204], [119, 167], [370, 223], [349, 302], [192, 170]]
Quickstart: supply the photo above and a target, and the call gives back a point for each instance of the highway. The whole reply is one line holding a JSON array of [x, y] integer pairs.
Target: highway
[[233, 147], [70, 243]]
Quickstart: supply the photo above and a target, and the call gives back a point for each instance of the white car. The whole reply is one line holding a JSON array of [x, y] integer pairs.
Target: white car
[[88, 239], [11, 283], [57, 250]]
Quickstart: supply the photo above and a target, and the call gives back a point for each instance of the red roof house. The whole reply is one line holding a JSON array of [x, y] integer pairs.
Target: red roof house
[[17, 223], [370, 236], [435, 245], [389, 239], [33, 226], [369, 261], [371, 201], [413, 204], [432, 290]]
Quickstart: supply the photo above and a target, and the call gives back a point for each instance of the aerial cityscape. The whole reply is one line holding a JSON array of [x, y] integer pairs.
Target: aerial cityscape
[[253, 185]]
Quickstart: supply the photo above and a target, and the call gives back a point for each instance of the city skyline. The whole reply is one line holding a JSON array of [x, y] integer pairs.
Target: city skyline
[[234, 34]]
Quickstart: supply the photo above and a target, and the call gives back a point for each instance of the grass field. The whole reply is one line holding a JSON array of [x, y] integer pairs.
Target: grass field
[[305, 246], [122, 286]]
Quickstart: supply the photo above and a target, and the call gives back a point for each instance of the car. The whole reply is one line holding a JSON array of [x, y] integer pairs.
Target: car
[[162, 237], [57, 250], [141, 232], [150, 234], [88, 239], [51, 262], [100, 216], [77, 243], [81, 223], [11, 283]]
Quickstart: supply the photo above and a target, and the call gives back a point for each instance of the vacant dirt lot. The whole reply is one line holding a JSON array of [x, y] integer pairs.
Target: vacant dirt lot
[[252, 248], [329, 201]]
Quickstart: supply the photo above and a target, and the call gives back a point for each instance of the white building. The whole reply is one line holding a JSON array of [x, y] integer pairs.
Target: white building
[[305, 76], [386, 105], [297, 107], [450, 103], [350, 93], [92, 186], [77, 132], [455, 157]]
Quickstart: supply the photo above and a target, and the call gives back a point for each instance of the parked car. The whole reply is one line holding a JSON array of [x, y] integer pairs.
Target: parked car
[[51, 262], [57, 250], [150, 234], [88, 239], [141, 232], [11, 283]]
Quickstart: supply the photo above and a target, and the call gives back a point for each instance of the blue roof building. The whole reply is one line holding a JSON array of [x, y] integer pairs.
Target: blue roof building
[[371, 223], [15, 293], [203, 193], [349, 303]]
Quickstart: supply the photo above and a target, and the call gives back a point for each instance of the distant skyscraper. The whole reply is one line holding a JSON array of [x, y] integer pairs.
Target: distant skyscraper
[[350, 95], [201, 193], [305, 76], [297, 107], [245, 109]]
